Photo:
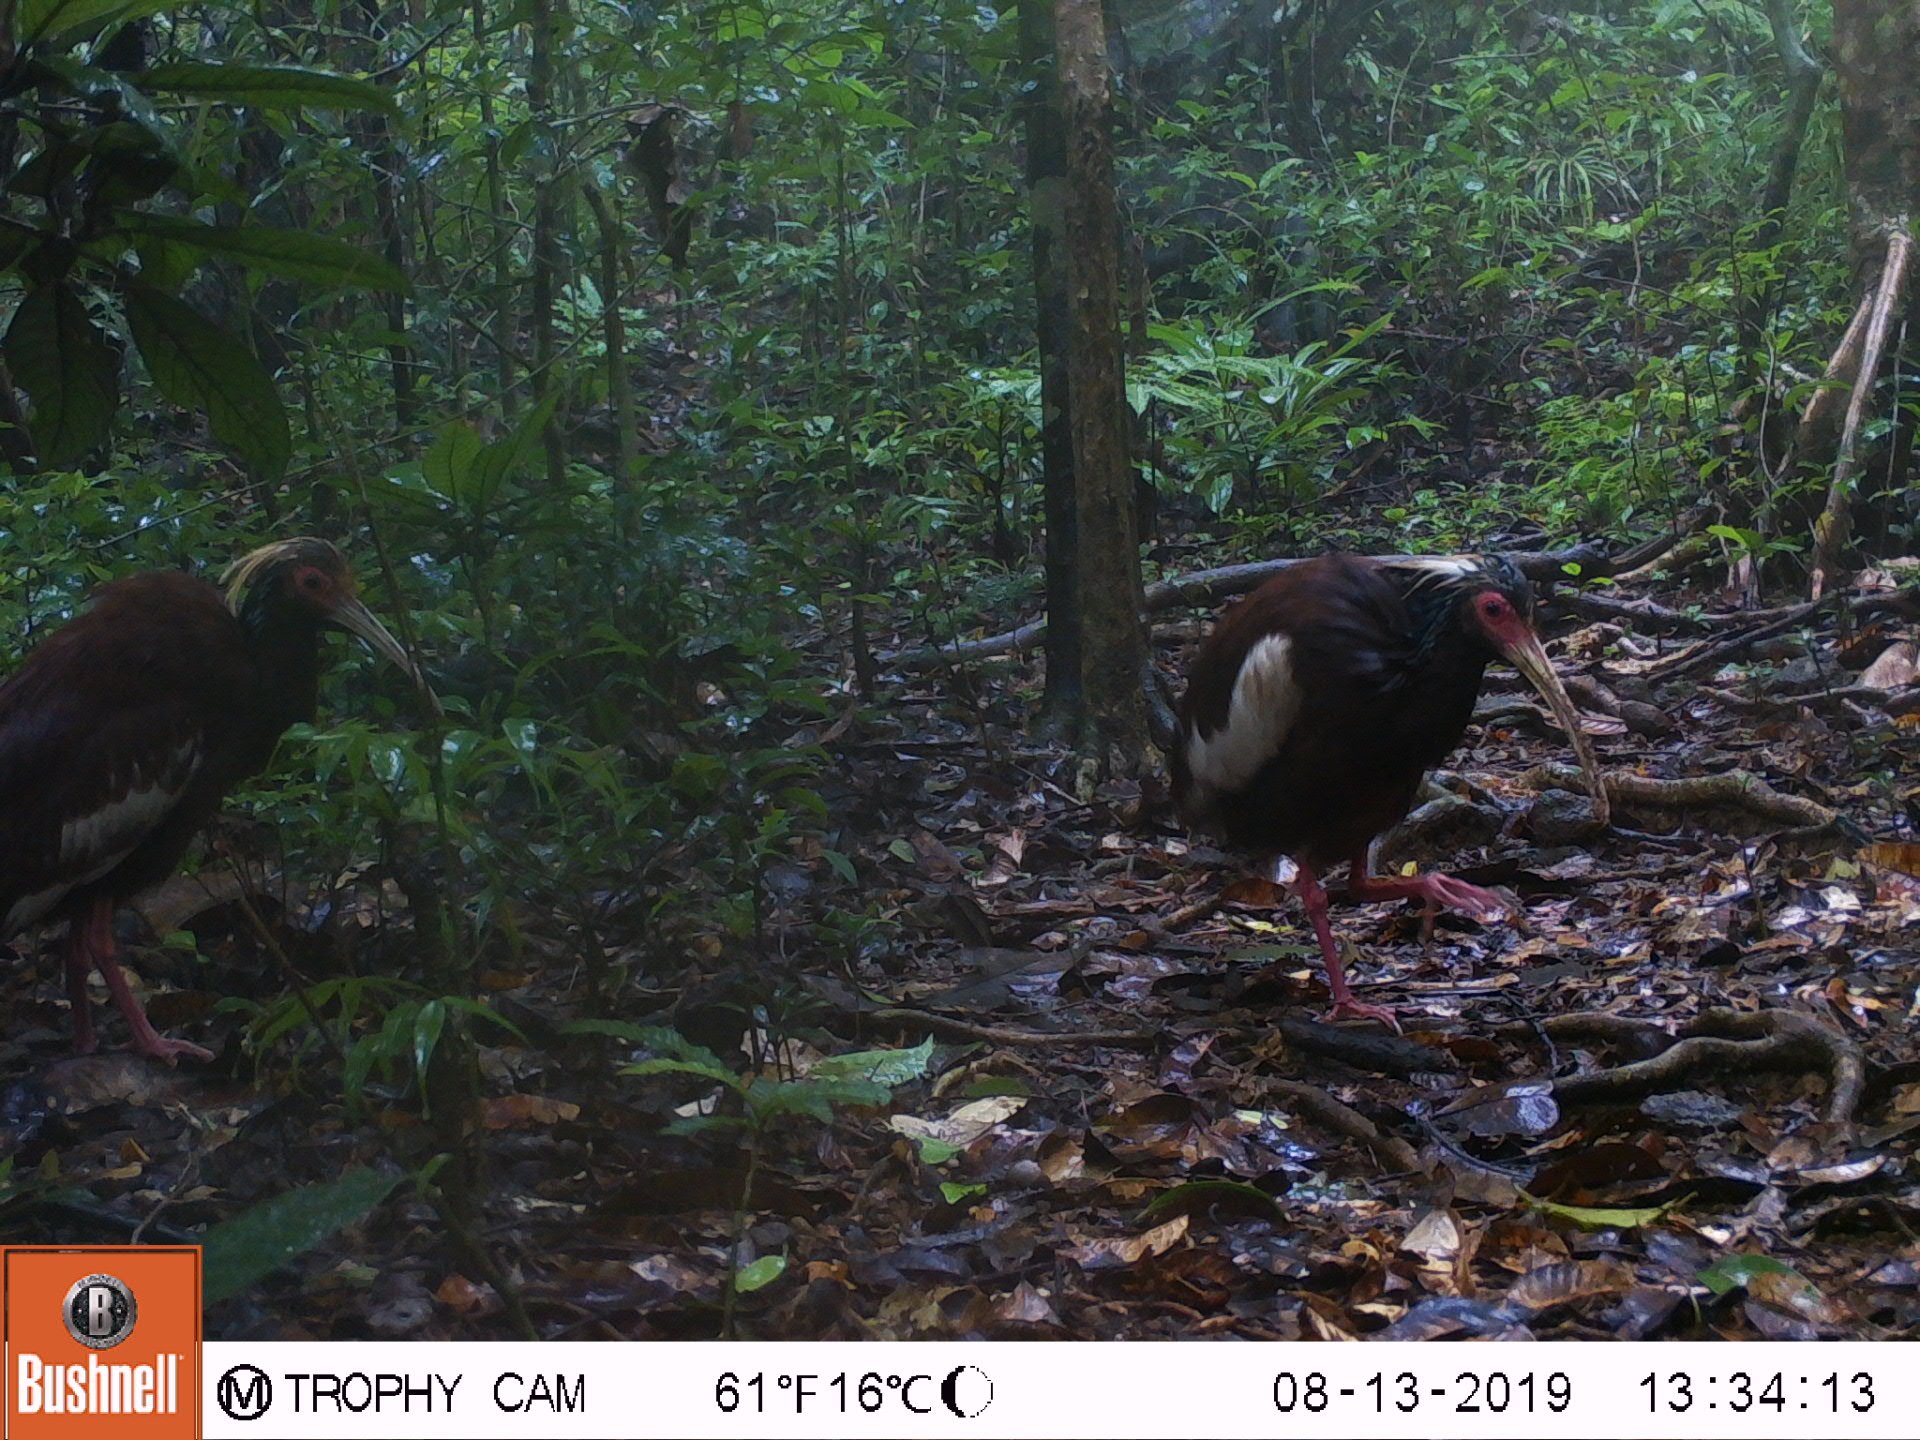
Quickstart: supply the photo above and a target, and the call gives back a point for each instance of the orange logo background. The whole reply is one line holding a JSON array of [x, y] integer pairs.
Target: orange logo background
[[165, 1281]]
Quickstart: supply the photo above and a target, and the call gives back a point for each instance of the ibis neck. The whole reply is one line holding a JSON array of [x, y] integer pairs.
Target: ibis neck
[[286, 657]]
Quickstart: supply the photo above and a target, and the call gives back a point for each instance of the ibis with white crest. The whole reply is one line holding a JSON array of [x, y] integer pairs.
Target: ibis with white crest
[[1320, 700], [124, 729]]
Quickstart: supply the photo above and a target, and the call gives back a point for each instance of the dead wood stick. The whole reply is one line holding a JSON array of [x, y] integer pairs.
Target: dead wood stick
[[1723, 1042], [1209, 587], [1902, 701], [1320, 1107], [948, 1028], [1736, 788], [1361, 1048]]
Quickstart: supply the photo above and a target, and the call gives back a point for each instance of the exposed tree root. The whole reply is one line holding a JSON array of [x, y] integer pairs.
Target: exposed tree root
[[1719, 1043], [1734, 788], [1320, 1107]]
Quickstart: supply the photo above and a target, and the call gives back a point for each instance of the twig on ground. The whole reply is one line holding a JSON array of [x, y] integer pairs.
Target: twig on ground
[[1320, 1107]]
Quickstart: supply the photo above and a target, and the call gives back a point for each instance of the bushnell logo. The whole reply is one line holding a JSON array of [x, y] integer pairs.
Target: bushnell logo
[[85, 1358], [100, 1311]]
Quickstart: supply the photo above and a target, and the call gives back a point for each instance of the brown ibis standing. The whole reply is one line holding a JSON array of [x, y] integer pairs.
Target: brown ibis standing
[[1319, 701], [122, 731]]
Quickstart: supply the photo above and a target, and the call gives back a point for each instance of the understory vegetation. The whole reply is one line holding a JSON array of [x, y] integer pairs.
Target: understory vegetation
[[671, 377]]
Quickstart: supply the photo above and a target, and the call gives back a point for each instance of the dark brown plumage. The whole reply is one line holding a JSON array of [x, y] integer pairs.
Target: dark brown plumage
[[121, 733], [1319, 701]]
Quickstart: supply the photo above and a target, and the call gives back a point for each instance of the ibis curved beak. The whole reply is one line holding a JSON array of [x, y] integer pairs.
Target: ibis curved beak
[[1529, 657], [355, 618]]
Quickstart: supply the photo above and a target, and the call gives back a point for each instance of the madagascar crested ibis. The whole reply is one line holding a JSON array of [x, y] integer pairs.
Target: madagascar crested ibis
[[123, 730], [1319, 701]]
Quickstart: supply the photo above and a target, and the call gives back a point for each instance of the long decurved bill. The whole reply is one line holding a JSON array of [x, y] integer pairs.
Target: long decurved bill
[[1529, 657], [353, 616]]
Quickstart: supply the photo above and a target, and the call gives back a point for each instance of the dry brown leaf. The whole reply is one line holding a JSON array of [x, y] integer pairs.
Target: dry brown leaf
[[1897, 665], [1109, 1252], [513, 1112]]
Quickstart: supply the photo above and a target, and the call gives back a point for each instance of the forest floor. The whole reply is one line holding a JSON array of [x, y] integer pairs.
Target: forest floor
[[1676, 1094]]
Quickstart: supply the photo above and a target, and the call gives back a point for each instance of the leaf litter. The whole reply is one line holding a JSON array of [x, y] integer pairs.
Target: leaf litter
[[1676, 1095]]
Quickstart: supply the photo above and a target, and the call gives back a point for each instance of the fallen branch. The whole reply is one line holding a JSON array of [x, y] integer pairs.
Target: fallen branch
[[1903, 701], [1734, 788], [1320, 1107], [1726, 1042], [946, 1027], [1210, 587], [1362, 1049]]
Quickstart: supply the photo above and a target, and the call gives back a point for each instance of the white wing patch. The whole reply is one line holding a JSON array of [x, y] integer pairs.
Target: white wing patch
[[120, 824], [1265, 702]]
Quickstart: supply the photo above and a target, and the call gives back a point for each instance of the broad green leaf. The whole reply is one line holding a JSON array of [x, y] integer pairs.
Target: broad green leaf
[[760, 1274], [296, 254], [497, 463], [719, 1074], [883, 1067], [66, 363], [272, 87], [256, 1242], [42, 19], [954, 1191], [448, 463], [199, 366]]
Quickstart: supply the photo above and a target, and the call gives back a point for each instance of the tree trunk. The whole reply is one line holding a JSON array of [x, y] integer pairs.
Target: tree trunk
[[1046, 182], [1107, 589], [1876, 46], [546, 20], [500, 239]]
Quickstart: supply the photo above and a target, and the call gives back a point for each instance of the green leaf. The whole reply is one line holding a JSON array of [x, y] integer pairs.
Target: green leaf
[[883, 1067], [498, 462], [68, 366], [719, 1074], [935, 1152], [428, 1026], [272, 87], [1735, 1272], [760, 1274], [448, 464], [41, 19], [256, 1242], [1587, 1217], [953, 1191], [1230, 1197], [296, 254], [199, 366]]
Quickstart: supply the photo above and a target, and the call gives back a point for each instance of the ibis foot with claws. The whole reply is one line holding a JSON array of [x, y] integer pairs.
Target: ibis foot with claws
[[1314, 898], [90, 945], [1435, 890]]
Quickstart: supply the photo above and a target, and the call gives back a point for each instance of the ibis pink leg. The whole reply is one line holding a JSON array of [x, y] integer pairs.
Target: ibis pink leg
[[1307, 885], [96, 940], [79, 965], [1432, 889]]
